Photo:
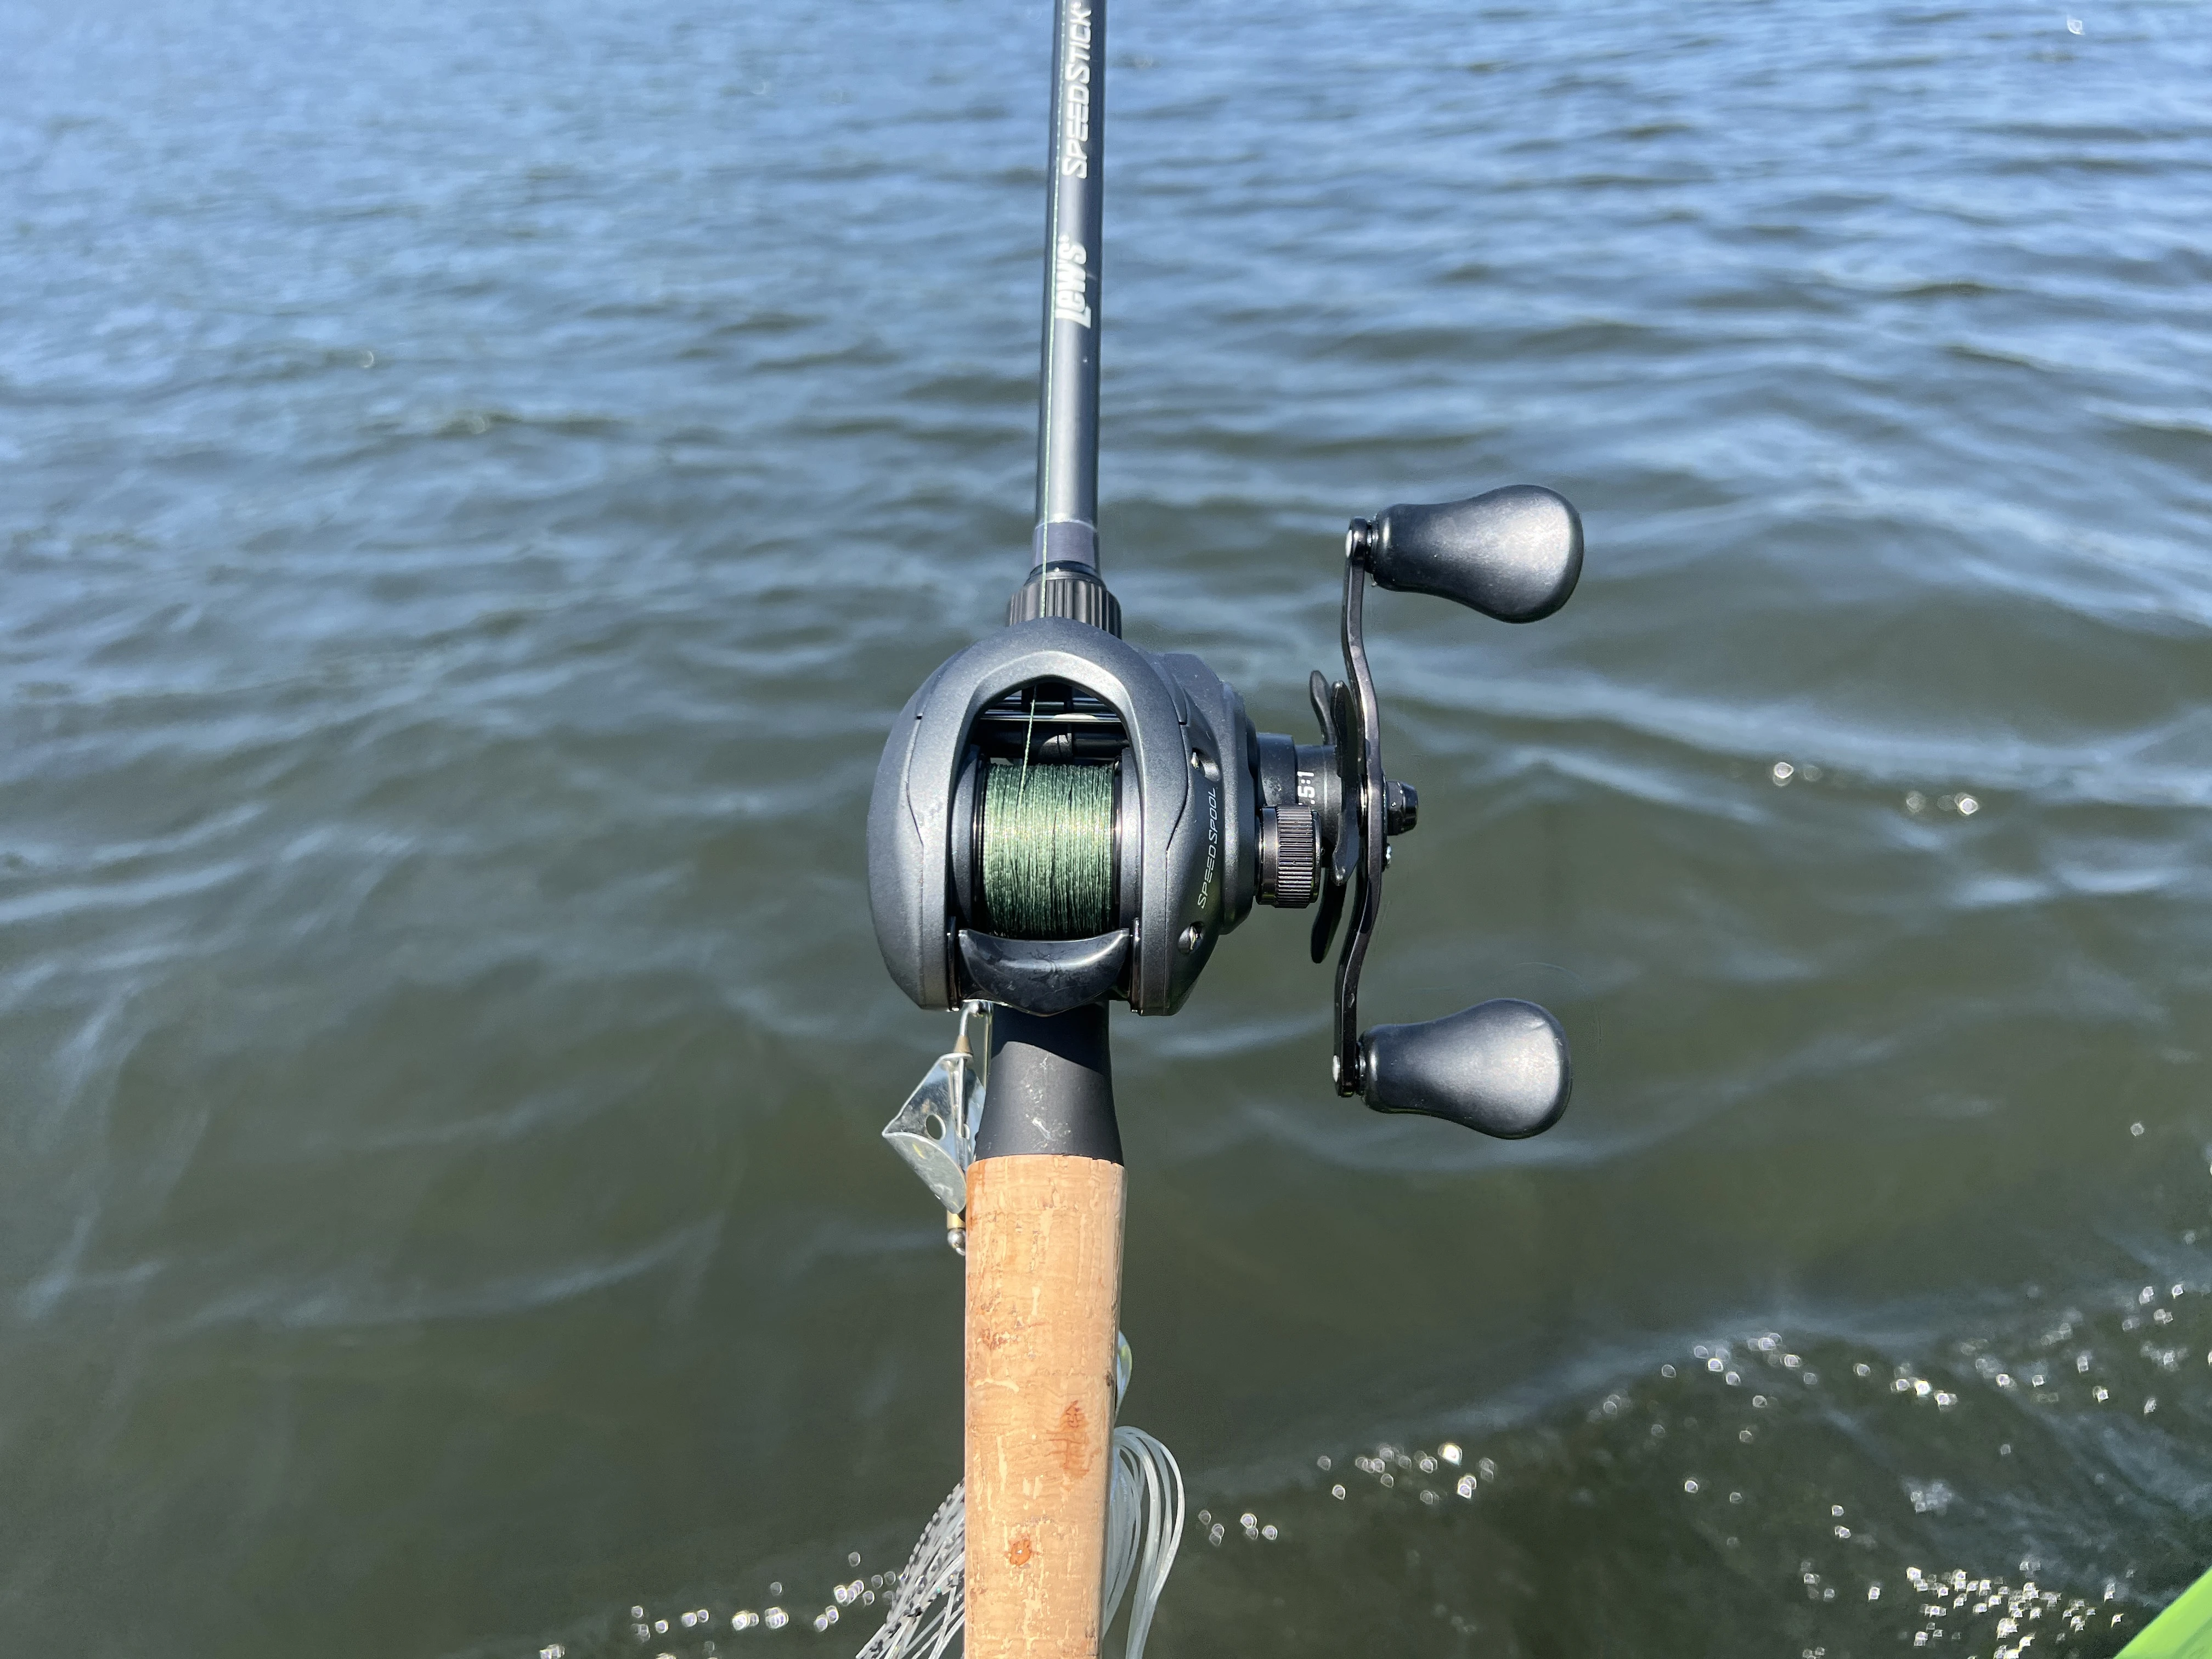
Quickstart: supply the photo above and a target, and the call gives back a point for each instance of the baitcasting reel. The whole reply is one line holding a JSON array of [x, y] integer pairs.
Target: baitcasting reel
[[1061, 817]]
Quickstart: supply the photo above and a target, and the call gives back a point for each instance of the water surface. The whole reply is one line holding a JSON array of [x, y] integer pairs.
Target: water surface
[[478, 482]]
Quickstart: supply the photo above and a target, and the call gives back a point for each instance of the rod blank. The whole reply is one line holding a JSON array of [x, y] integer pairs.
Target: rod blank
[[1067, 404]]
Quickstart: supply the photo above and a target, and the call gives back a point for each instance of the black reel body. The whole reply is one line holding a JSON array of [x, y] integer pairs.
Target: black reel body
[[986, 841], [1061, 817]]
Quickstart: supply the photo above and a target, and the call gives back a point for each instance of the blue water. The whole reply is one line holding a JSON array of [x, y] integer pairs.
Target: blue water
[[476, 484]]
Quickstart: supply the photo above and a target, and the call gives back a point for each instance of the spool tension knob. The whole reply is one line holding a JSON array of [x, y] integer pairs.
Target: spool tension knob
[[1290, 857]]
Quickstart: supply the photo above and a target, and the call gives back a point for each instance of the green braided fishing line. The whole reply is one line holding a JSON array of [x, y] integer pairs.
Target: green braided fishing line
[[1049, 849]]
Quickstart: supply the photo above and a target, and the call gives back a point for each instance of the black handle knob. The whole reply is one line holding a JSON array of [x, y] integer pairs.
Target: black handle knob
[[1499, 1067], [1514, 554]]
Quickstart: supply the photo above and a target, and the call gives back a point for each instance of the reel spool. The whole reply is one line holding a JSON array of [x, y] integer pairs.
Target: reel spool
[[1044, 843], [1061, 817], [1044, 829]]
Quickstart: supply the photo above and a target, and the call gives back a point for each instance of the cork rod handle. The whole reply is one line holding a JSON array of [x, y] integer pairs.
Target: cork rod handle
[[1045, 1291]]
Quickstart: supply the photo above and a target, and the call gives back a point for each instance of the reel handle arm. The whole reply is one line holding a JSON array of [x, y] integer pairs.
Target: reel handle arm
[[1501, 1067]]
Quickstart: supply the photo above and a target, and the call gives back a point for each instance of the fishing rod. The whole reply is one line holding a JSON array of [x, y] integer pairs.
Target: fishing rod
[[1061, 820]]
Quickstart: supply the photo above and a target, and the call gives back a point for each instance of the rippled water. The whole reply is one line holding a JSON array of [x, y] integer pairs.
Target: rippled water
[[478, 483]]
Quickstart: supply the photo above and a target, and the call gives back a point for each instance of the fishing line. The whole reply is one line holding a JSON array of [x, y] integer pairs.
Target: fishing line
[[1144, 1530], [1047, 852], [1144, 1526]]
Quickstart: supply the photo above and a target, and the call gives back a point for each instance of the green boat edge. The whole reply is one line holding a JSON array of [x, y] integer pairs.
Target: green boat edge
[[2184, 1631]]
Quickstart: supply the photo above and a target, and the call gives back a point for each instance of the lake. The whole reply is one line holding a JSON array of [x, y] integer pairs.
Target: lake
[[477, 483]]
